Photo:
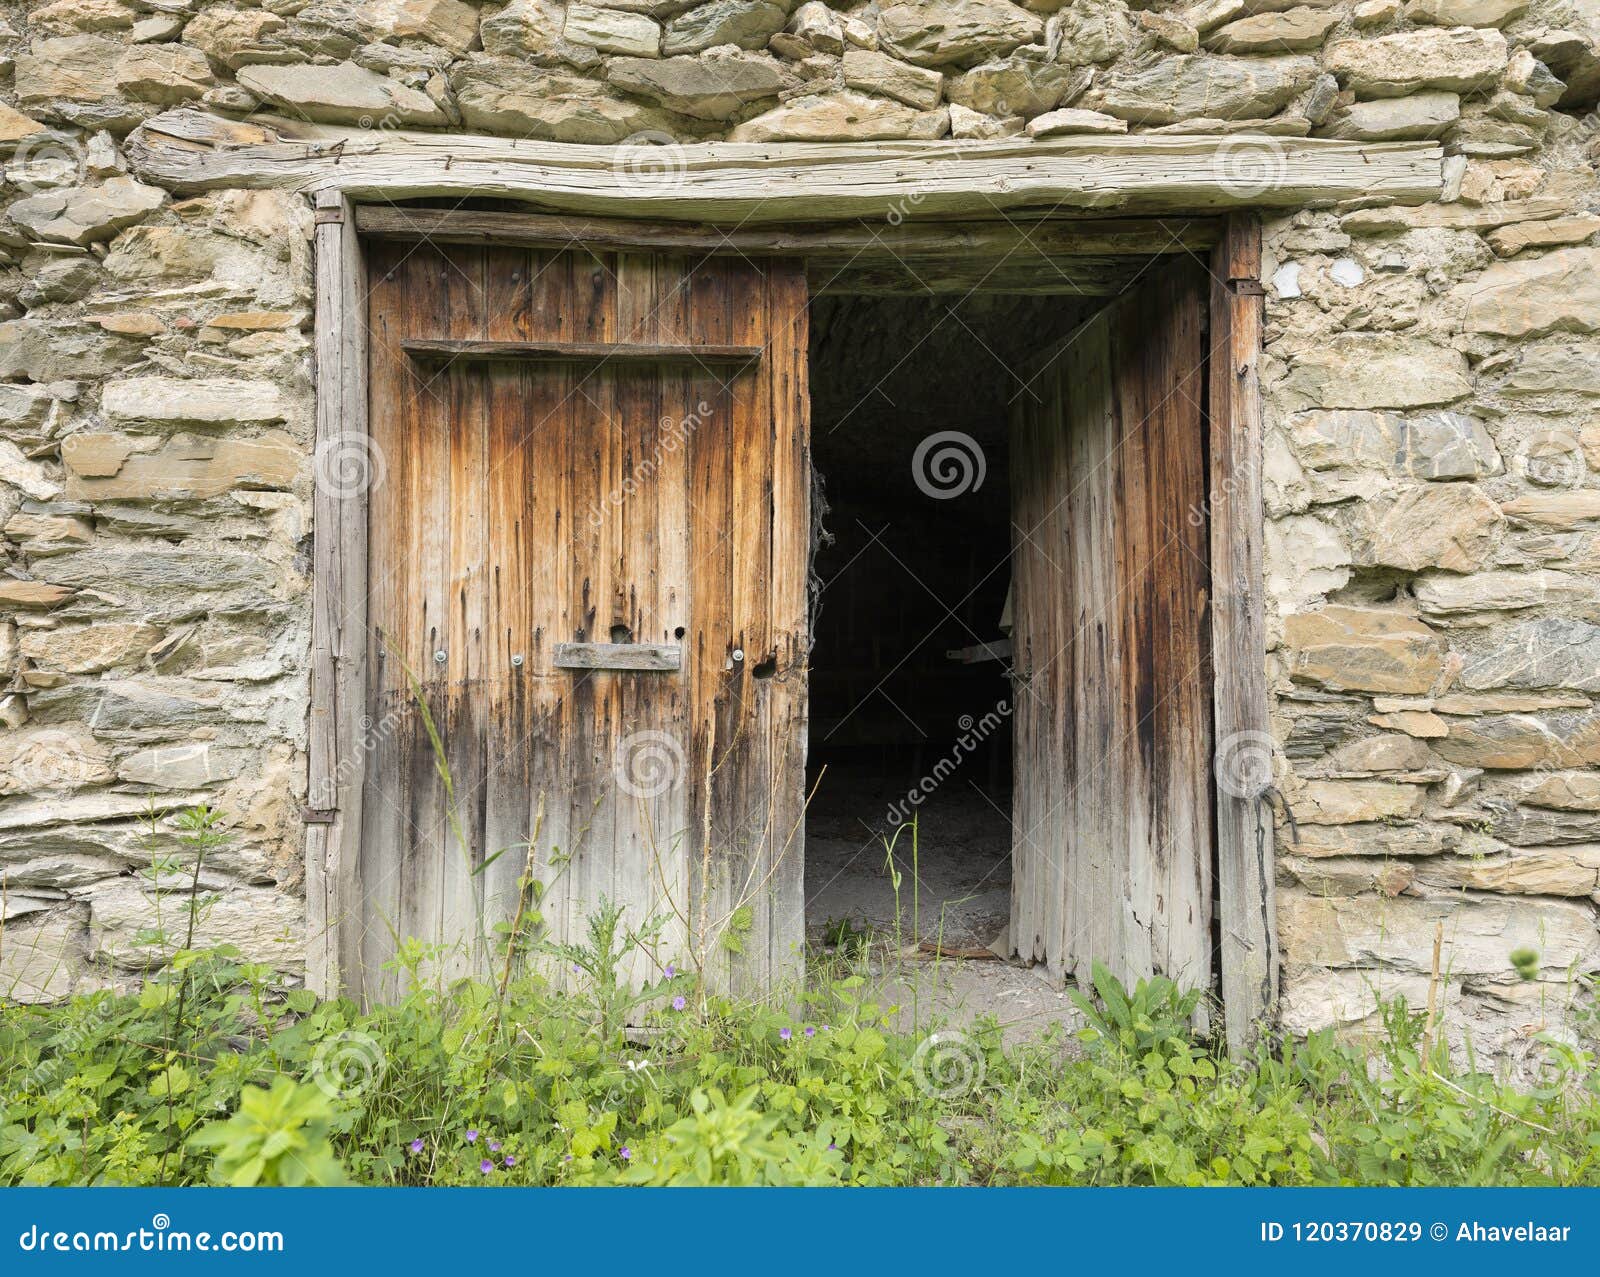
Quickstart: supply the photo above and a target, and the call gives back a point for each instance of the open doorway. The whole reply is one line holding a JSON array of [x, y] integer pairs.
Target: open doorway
[[910, 686]]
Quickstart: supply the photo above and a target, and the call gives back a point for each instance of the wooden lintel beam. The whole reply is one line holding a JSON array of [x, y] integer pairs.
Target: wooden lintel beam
[[579, 352]]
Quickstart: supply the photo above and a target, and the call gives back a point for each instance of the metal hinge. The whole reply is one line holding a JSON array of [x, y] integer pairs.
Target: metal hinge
[[318, 815], [1247, 288], [330, 216]]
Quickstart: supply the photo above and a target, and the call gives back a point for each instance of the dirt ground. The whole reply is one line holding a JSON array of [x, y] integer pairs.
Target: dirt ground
[[962, 862]]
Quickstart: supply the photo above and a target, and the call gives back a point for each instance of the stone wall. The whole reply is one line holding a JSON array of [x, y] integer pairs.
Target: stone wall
[[1431, 379]]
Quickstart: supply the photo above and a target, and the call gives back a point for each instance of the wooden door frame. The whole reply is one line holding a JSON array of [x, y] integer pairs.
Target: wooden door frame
[[340, 735]]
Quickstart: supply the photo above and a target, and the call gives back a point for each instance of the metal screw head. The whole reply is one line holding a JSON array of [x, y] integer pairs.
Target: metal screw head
[[517, 660], [738, 655], [440, 657]]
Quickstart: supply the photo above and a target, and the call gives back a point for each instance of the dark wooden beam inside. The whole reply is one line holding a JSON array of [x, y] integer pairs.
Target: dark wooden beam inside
[[581, 352]]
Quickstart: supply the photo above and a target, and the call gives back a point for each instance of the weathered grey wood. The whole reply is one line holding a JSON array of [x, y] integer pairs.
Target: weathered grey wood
[[1243, 761], [618, 656], [823, 245], [1113, 840], [336, 743], [580, 352], [188, 152]]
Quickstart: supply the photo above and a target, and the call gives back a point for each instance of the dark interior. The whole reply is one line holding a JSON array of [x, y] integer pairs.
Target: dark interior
[[908, 573]]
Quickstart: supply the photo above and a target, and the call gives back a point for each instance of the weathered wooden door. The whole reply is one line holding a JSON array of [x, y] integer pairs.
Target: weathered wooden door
[[1112, 810], [587, 604]]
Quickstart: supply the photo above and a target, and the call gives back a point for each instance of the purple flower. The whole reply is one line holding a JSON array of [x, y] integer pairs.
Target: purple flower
[[679, 1002], [832, 1147], [511, 1159], [810, 1032], [486, 1166], [671, 971], [785, 1034], [494, 1146], [416, 1145], [625, 1153], [472, 1136]]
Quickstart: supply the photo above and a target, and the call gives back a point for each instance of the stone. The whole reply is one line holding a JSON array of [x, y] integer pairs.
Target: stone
[[1375, 840], [1506, 703], [1526, 74], [450, 24], [938, 33], [1073, 120], [130, 929], [1375, 13], [51, 759], [172, 401], [842, 116], [1392, 752], [529, 28], [1527, 871], [612, 32], [1549, 652], [1349, 877], [1421, 115], [1017, 85], [1451, 526], [818, 26], [1563, 791], [1290, 31], [1377, 370], [1168, 32], [1559, 291], [1183, 87], [168, 74], [176, 582], [1508, 241], [1479, 935], [14, 125], [84, 215], [32, 595], [1419, 723], [89, 649], [48, 533], [1559, 510], [24, 473], [1089, 32], [1520, 742], [507, 97], [188, 766], [874, 72], [1465, 13], [967, 123], [1349, 802], [1430, 445], [705, 88], [42, 957], [1363, 649], [74, 78], [1446, 594], [234, 37], [746, 23], [185, 469], [343, 93], [1461, 60]]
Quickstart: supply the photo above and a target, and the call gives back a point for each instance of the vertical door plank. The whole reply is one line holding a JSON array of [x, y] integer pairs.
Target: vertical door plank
[[1249, 953]]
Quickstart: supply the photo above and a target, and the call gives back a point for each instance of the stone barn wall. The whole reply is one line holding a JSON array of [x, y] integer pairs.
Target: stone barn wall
[[1432, 385]]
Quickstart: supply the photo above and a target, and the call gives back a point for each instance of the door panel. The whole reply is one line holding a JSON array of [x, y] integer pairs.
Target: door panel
[[528, 503], [1112, 809]]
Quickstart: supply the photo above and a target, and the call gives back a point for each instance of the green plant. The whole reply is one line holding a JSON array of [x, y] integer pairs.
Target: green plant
[[278, 1137]]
